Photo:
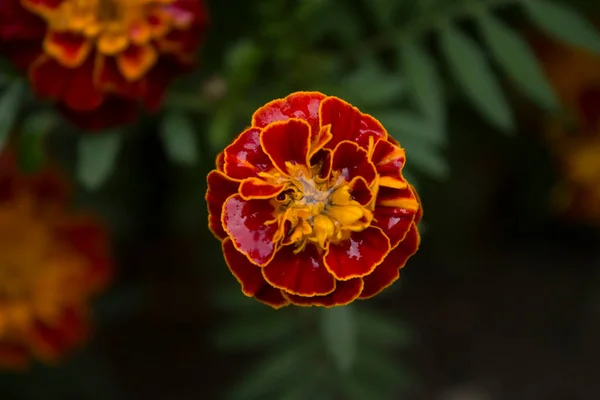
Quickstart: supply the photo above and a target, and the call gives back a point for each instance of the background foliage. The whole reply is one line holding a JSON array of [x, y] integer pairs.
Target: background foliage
[[432, 71]]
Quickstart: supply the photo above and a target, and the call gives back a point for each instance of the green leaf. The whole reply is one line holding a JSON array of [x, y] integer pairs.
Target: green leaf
[[517, 59], [254, 331], [402, 123], [339, 332], [31, 140], [371, 86], [564, 22], [424, 157], [179, 137], [280, 368], [10, 100], [242, 62], [379, 330], [425, 83], [97, 153], [221, 127], [475, 77], [383, 11]]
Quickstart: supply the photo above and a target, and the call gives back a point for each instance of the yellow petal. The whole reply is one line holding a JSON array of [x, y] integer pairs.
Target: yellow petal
[[346, 215]]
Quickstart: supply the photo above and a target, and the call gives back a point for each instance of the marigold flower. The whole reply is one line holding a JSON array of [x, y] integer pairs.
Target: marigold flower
[[311, 206], [98, 59], [575, 76], [51, 262]]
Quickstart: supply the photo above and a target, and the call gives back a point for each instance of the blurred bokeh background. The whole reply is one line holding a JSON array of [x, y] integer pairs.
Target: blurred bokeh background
[[497, 103]]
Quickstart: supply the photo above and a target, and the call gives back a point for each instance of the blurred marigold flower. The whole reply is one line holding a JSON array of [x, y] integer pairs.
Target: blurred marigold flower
[[99, 59], [575, 140], [52, 261], [311, 206]]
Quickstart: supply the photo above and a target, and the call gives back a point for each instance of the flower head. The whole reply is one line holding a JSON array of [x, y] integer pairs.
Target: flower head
[[51, 262], [99, 58], [311, 206], [574, 141]]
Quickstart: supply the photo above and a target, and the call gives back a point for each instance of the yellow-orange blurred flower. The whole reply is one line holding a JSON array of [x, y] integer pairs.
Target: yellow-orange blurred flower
[[575, 140], [52, 261], [100, 58]]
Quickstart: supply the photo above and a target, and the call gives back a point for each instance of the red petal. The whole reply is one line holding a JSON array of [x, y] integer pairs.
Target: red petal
[[219, 188], [245, 222], [287, 142], [302, 274], [301, 105], [250, 277], [245, 158], [220, 161], [345, 293], [108, 78], [351, 161], [91, 240], [54, 341], [70, 49], [49, 78], [389, 160], [394, 222], [397, 198], [113, 111], [348, 123], [357, 256], [13, 356], [81, 93], [255, 188], [360, 191], [388, 271]]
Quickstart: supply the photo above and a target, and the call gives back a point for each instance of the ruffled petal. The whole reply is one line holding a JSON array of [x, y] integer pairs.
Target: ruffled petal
[[287, 143], [345, 293], [114, 111], [245, 158], [255, 188], [220, 187], [136, 61], [82, 94], [351, 161], [246, 223], [388, 271], [301, 105], [250, 277], [87, 236], [348, 123], [302, 274], [360, 191], [394, 222], [389, 160], [71, 50], [358, 255], [50, 342], [49, 78], [13, 356], [398, 198]]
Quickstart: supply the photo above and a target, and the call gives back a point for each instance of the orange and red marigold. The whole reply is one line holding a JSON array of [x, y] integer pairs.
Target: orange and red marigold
[[51, 262], [99, 59], [311, 206]]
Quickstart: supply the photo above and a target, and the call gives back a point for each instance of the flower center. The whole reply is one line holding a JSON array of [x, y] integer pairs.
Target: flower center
[[317, 210]]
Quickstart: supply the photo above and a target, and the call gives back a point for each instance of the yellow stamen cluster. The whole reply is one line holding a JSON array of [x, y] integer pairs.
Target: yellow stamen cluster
[[318, 210]]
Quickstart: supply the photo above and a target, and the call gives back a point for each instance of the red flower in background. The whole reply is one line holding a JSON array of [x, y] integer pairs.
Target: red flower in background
[[99, 59], [311, 206], [52, 261]]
